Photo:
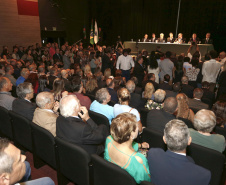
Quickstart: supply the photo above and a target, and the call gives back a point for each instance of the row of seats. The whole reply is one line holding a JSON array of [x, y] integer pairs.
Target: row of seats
[[72, 163]]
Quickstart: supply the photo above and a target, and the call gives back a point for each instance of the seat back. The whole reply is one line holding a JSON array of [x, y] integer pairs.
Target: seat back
[[5, 123], [143, 116], [21, 130], [187, 122], [43, 145], [146, 183], [109, 173], [209, 159], [91, 97], [99, 118], [72, 162], [154, 138]]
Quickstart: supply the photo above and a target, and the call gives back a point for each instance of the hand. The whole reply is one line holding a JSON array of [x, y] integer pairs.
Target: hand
[[85, 115], [145, 145], [56, 106]]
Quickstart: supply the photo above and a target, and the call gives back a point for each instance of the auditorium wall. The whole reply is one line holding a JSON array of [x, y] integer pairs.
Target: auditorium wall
[[19, 27]]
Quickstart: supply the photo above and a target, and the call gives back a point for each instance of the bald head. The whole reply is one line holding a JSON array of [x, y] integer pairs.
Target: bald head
[[69, 106], [5, 84], [44, 99], [110, 83], [130, 85], [170, 105], [64, 73]]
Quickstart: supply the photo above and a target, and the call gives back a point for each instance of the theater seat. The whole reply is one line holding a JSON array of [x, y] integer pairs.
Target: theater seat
[[99, 118], [72, 163], [106, 173], [5, 124], [146, 183]]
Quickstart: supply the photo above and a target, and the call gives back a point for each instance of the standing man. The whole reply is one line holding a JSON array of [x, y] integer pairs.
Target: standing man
[[66, 60], [125, 63], [139, 70], [210, 70]]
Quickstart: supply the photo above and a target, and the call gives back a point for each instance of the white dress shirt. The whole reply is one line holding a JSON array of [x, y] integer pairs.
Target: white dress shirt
[[124, 62], [210, 70]]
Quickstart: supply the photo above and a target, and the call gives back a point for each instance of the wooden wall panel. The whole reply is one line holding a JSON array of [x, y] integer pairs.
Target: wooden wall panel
[[17, 29]]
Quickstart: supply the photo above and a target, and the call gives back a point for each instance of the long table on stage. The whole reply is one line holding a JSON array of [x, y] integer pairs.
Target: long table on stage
[[177, 48]]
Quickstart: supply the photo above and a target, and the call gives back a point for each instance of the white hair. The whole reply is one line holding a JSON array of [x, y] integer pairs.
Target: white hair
[[6, 162], [43, 98], [159, 95], [69, 105]]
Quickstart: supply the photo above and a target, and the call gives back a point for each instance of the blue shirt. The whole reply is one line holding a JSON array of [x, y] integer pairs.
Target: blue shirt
[[105, 110], [20, 80]]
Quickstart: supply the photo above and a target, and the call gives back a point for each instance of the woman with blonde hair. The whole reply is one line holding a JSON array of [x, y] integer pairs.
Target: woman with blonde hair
[[149, 91], [183, 108], [124, 99], [121, 150], [91, 86], [87, 70]]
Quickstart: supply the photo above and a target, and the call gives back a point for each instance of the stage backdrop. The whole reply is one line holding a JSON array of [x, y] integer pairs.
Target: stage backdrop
[[20, 23]]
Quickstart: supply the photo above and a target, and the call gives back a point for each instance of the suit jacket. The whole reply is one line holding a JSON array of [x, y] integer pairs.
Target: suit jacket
[[210, 41], [87, 135], [169, 168], [196, 41], [157, 119], [67, 62], [161, 40], [67, 84], [57, 57], [170, 94], [188, 90], [147, 40], [24, 108], [106, 63], [51, 80], [139, 73], [136, 101], [153, 39], [197, 105], [171, 41], [46, 119], [113, 93], [165, 86]]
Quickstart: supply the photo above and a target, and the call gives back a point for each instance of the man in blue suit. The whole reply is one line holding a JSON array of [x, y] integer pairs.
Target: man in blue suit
[[173, 166]]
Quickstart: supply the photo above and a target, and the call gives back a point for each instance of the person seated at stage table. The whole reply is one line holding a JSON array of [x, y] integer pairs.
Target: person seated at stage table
[[207, 40], [170, 38], [145, 39], [153, 38], [173, 166], [121, 150], [194, 39], [180, 39], [161, 38], [204, 123]]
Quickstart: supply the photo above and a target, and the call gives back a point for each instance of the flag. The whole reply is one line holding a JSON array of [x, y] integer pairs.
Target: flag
[[91, 33], [96, 39], [84, 33]]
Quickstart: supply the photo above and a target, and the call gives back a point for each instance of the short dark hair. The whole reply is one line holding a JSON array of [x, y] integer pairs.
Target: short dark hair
[[198, 93], [213, 54], [205, 84], [170, 105], [187, 59], [168, 54], [150, 75], [76, 84], [167, 77], [176, 87]]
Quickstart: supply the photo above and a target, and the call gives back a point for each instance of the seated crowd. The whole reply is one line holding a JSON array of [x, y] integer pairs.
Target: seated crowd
[[184, 98]]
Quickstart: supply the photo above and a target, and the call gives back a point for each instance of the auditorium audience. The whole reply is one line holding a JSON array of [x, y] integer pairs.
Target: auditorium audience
[[183, 110], [24, 75], [6, 99], [123, 106], [121, 149], [204, 123], [175, 91], [165, 85], [157, 119], [71, 128], [173, 166], [45, 114], [23, 105], [110, 87]]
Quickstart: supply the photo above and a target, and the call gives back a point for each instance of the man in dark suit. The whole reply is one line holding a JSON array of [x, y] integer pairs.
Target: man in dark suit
[[139, 70], [110, 87], [23, 105], [145, 39], [151, 79], [173, 166], [52, 77], [71, 128], [136, 100], [196, 104], [207, 40], [67, 84], [185, 88], [194, 39], [208, 96], [153, 38], [57, 57], [165, 85], [157, 119], [66, 60], [174, 92], [106, 62], [170, 38]]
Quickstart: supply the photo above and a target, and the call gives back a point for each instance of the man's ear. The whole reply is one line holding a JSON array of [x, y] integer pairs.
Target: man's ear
[[189, 141], [164, 139], [4, 179]]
